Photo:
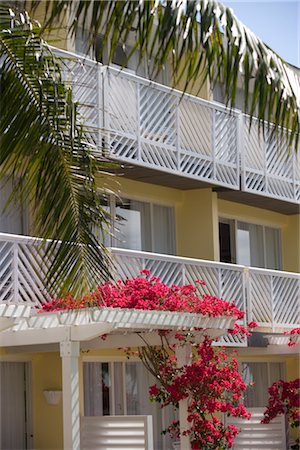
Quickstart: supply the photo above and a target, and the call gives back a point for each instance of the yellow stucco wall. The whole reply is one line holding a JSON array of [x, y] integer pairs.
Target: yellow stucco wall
[[46, 374]]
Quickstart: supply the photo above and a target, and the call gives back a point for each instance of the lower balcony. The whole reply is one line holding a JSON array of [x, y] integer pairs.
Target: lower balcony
[[270, 298]]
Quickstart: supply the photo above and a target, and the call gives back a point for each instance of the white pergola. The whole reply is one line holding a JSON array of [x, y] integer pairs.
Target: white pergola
[[74, 329]]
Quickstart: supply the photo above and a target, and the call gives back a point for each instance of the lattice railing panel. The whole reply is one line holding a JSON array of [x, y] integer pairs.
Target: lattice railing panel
[[225, 137], [269, 167], [260, 298], [279, 161], [254, 145], [227, 175], [232, 287], [32, 273], [121, 104], [274, 298], [23, 269], [6, 271], [123, 146], [286, 288], [210, 275], [87, 90], [195, 130], [158, 156], [171, 133], [157, 112], [196, 166]]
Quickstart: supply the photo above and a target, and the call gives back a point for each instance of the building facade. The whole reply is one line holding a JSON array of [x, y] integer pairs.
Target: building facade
[[199, 196]]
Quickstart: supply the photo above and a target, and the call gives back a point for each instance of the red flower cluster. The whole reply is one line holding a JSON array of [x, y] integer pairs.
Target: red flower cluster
[[151, 294], [293, 336], [212, 384], [284, 397]]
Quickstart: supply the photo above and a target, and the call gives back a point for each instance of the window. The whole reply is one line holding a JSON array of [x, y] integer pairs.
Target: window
[[249, 244], [259, 376], [14, 217], [122, 388], [141, 226]]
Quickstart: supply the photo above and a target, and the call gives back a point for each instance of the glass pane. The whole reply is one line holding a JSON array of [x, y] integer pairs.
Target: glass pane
[[97, 385], [225, 242], [243, 247], [133, 225], [12, 217], [273, 253], [163, 229], [250, 245], [276, 372], [256, 375], [12, 406], [119, 389], [138, 380]]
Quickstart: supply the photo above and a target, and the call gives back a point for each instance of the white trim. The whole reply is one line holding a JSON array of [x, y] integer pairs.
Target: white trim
[[243, 218]]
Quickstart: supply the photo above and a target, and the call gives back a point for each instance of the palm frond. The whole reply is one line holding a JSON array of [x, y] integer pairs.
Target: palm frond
[[49, 156], [208, 37]]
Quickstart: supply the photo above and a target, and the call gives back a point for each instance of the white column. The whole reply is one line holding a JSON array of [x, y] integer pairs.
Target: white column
[[69, 352], [184, 356]]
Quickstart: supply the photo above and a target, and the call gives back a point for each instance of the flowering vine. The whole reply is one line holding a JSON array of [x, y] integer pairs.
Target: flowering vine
[[148, 292], [211, 383], [284, 398], [294, 336]]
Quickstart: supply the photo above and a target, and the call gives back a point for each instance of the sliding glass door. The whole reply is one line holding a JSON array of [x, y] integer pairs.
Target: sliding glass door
[[249, 244], [122, 388]]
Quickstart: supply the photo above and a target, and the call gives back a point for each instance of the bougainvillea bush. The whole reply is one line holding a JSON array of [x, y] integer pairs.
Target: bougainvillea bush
[[211, 383], [148, 292], [294, 336], [284, 398]]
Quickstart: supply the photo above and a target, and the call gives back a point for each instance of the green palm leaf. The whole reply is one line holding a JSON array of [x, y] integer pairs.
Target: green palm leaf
[[207, 36], [50, 157]]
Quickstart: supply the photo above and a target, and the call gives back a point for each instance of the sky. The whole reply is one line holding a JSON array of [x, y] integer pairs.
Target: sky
[[276, 22]]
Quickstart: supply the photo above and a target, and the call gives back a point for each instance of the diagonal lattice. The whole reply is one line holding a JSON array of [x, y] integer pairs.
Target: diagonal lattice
[[195, 129]]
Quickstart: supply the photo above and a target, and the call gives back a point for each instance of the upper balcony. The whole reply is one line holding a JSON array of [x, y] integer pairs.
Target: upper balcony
[[270, 298], [153, 129]]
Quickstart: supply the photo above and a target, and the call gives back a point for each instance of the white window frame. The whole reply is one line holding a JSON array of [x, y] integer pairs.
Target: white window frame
[[233, 222], [111, 200]]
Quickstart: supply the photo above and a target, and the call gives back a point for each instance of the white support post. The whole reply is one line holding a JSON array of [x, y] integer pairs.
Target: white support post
[[69, 352], [184, 356]]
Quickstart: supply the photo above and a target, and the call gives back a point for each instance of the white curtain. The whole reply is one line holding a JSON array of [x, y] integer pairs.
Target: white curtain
[[13, 406], [164, 229], [250, 245], [273, 255], [138, 380], [133, 225], [93, 388], [260, 376], [146, 227]]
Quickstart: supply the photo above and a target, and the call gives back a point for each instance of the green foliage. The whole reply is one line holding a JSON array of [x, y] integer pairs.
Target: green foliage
[[49, 156]]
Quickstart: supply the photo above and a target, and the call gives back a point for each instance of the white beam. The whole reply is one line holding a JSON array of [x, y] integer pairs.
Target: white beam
[[32, 336], [69, 352], [184, 356], [90, 331]]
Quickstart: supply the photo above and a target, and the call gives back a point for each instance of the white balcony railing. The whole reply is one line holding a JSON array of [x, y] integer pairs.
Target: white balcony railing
[[153, 126], [271, 298]]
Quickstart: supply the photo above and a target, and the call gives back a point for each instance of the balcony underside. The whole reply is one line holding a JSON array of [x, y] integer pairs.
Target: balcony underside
[[182, 182]]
